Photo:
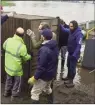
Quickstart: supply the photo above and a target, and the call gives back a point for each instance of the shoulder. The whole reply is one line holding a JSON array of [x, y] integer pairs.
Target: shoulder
[[44, 49], [9, 39]]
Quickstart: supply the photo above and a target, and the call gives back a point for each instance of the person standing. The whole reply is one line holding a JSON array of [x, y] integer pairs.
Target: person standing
[[46, 67], [74, 46], [15, 55], [63, 40]]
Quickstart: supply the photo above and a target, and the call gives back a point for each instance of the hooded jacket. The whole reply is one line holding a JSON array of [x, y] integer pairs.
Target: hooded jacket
[[74, 41], [47, 61]]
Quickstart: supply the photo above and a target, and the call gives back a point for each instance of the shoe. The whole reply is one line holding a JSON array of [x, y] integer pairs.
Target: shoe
[[67, 82], [16, 99], [7, 94], [65, 79], [71, 85], [35, 102], [50, 98]]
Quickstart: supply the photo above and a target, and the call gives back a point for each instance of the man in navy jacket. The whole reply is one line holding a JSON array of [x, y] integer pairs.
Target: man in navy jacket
[[74, 46], [46, 66]]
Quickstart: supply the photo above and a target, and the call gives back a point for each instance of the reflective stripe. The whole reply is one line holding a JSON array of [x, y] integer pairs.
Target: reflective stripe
[[12, 54], [18, 49], [12, 70], [17, 56]]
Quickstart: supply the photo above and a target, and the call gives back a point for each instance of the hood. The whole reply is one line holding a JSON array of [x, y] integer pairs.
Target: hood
[[52, 44], [78, 30]]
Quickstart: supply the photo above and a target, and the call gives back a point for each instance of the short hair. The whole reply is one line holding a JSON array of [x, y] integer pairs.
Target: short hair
[[62, 22], [45, 25], [75, 24]]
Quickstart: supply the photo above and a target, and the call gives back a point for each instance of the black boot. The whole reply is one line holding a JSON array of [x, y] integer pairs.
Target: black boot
[[6, 94], [34, 102], [50, 98], [69, 84]]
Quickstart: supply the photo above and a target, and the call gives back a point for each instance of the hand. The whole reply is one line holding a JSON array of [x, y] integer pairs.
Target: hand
[[30, 33], [42, 38], [32, 80], [11, 14]]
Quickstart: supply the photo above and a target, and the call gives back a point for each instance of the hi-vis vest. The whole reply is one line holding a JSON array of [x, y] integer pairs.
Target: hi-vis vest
[[15, 54]]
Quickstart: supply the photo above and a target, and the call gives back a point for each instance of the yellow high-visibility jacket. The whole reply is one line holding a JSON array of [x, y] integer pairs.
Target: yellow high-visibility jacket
[[15, 54]]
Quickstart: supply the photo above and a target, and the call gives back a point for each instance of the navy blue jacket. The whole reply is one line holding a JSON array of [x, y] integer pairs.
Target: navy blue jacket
[[3, 19], [47, 61], [63, 36], [74, 41]]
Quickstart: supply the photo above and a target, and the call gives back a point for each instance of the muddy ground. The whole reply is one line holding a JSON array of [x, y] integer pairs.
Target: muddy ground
[[26, 98], [82, 94]]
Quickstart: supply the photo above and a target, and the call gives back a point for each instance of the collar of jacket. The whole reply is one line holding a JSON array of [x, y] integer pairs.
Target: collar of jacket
[[46, 41], [18, 38]]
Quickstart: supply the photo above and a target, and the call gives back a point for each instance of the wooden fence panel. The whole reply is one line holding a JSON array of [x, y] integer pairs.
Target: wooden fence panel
[[8, 30]]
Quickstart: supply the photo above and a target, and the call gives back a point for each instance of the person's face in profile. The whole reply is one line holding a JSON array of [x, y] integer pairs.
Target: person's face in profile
[[71, 26]]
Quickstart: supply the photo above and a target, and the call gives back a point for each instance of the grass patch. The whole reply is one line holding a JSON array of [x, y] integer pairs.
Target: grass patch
[[6, 3]]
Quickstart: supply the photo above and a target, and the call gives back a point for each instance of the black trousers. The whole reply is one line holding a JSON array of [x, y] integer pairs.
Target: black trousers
[[63, 56]]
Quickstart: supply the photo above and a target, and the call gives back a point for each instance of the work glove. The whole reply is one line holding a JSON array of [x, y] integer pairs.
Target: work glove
[[32, 80], [30, 33]]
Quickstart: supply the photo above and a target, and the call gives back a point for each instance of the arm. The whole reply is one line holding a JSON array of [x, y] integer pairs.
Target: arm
[[5, 43], [23, 53], [35, 43], [64, 29], [4, 18], [42, 64], [79, 42], [33, 39]]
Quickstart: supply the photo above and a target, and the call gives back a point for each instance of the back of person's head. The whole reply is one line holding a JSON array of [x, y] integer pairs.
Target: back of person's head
[[20, 32], [62, 22], [45, 25], [47, 34], [75, 24]]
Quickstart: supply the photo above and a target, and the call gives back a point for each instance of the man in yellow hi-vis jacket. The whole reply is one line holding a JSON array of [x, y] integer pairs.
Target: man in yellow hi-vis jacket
[[15, 55]]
